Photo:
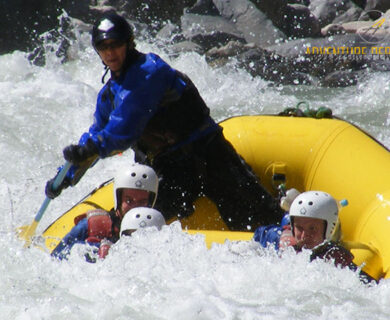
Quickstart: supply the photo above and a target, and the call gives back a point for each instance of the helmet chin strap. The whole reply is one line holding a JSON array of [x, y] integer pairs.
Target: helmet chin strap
[[130, 57], [106, 69]]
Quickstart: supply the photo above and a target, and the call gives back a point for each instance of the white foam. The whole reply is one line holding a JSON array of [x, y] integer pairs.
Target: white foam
[[167, 275]]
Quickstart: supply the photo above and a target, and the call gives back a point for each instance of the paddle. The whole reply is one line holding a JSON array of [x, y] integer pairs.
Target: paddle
[[27, 232]]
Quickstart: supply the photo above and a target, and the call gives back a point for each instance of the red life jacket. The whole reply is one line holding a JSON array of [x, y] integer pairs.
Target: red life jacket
[[99, 225]]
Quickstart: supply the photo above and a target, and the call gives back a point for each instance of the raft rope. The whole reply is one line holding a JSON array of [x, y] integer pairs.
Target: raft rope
[[320, 113]]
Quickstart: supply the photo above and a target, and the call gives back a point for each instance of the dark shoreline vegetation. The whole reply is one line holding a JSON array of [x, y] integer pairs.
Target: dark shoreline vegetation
[[273, 39]]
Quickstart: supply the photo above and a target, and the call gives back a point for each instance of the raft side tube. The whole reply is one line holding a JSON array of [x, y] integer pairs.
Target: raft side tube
[[328, 155]]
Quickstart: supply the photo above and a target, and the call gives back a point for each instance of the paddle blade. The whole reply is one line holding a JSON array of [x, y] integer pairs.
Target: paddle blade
[[27, 232]]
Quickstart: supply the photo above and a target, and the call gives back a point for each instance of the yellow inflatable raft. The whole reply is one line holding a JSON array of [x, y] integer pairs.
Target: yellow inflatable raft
[[308, 154]]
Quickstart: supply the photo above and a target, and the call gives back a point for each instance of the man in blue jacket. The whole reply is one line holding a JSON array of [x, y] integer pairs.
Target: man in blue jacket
[[157, 111]]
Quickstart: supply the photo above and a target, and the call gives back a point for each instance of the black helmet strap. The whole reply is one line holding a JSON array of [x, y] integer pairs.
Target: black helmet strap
[[106, 69]]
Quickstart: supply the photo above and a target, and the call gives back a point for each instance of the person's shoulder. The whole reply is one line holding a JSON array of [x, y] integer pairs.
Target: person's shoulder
[[267, 235], [154, 61], [330, 250], [153, 56]]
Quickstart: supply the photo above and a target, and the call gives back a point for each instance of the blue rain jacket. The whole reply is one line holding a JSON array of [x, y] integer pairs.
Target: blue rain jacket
[[125, 106], [78, 234], [270, 235]]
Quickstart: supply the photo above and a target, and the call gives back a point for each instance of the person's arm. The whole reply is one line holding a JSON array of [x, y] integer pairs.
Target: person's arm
[[268, 235], [330, 251], [78, 234], [120, 118], [136, 102], [341, 257]]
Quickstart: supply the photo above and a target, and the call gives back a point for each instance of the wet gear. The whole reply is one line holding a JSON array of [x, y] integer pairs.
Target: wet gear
[[141, 217], [139, 177], [317, 205], [272, 235], [211, 167], [92, 233], [99, 226], [341, 257], [77, 154], [111, 26], [52, 192], [158, 112]]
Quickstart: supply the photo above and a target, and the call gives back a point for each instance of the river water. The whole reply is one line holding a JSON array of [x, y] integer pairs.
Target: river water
[[167, 274]]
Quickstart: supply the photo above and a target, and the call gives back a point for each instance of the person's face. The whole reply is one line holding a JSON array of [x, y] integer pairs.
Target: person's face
[[113, 53], [309, 232], [132, 198]]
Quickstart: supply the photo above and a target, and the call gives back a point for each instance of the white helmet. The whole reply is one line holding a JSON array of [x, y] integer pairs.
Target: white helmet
[[138, 176], [318, 205], [142, 217]]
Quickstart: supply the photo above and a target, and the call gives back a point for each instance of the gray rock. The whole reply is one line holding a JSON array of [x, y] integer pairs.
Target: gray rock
[[231, 49], [352, 14], [300, 47], [170, 33], [185, 46], [340, 79], [360, 3], [250, 21], [152, 12], [380, 5], [209, 31], [206, 7], [300, 22], [328, 11], [22, 22], [333, 29]]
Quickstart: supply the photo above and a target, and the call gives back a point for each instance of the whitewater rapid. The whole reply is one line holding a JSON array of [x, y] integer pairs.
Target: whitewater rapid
[[167, 274]]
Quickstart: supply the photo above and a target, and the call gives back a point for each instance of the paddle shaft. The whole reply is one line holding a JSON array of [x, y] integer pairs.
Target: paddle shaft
[[28, 233], [57, 181]]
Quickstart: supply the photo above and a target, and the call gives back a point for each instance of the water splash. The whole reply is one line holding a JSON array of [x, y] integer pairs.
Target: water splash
[[166, 275]]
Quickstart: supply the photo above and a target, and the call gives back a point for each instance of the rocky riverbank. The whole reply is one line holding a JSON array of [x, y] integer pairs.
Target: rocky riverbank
[[326, 43]]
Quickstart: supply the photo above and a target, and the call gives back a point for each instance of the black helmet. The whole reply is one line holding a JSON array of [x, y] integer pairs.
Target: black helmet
[[111, 26]]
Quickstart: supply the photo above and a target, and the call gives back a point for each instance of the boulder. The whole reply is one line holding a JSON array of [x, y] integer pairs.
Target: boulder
[[152, 12], [204, 7], [250, 22], [328, 11], [22, 22], [170, 33], [340, 78], [184, 46], [377, 5], [352, 14], [209, 31], [300, 22]]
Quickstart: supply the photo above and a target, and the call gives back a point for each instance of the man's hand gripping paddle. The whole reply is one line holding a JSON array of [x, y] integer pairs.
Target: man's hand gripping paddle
[[27, 232]]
